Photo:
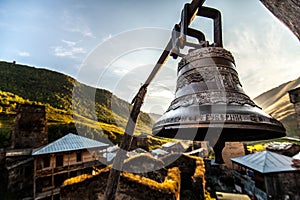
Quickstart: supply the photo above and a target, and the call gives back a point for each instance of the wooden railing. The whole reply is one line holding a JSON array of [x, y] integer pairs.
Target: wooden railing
[[56, 170]]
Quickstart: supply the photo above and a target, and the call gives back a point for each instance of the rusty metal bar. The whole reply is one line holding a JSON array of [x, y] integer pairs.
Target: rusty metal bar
[[216, 16], [196, 34], [184, 25], [175, 52]]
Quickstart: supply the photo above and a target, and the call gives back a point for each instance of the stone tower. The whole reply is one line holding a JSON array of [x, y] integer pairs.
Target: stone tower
[[30, 127], [295, 99]]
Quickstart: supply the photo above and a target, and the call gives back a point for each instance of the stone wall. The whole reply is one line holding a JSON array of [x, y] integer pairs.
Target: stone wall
[[283, 184], [2, 155], [30, 127], [286, 11], [19, 177], [190, 185], [93, 188], [232, 150], [142, 141], [295, 99], [297, 110]]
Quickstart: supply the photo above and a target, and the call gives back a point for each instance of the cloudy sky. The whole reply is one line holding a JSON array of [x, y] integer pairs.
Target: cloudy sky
[[115, 44]]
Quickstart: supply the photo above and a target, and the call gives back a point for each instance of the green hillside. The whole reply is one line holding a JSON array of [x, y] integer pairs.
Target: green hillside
[[23, 84], [276, 102]]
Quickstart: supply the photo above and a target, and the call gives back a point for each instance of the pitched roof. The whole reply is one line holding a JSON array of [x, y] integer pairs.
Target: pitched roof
[[297, 156], [200, 150], [159, 152], [266, 162], [69, 142], [180, 144]]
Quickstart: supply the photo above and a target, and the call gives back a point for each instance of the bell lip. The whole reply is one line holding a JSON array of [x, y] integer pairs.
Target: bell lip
[[226, 125], [228, 132], [197, 116]]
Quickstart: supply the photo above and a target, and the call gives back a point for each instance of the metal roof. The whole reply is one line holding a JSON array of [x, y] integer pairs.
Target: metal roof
[[266, 162], [168, 144], [109, 156], [179, 144], [159, 152], [70, 142], [297, 156], [200, 150]]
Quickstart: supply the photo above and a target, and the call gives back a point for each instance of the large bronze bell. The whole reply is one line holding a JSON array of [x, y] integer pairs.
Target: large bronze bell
[[210, 104]]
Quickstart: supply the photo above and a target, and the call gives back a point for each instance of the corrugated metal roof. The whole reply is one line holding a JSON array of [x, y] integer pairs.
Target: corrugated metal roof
[[266, 162], [69, 142]]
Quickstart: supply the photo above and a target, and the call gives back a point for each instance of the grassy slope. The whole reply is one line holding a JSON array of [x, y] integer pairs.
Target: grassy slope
[[24, 84], [276, 102]]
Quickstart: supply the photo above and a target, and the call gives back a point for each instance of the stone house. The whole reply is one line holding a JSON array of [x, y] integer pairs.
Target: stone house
[[16, 162], [32, 168], [18, 173], [267, 175], [67, 157]]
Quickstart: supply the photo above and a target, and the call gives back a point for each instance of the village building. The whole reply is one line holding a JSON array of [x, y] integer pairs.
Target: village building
[[30, 128], [232, 150], [159, 153], [176, 147], [295, 99], [267, 175], [18, 173], [296, 160], [69, 156], [35, 169], [29, 132]]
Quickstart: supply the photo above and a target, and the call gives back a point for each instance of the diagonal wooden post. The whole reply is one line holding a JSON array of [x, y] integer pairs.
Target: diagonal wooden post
[[115, 170], [117, 166]]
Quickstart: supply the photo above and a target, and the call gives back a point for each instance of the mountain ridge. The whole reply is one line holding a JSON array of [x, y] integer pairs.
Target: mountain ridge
[[27, 84], [55, 90], [276, 102]]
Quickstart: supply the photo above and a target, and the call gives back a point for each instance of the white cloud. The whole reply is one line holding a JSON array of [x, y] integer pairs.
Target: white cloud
[[264, 60], [68, 52], [69, 43], [24, 54], [70, 49]]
